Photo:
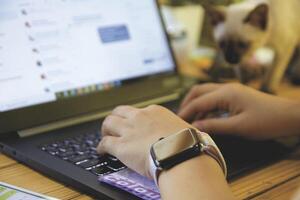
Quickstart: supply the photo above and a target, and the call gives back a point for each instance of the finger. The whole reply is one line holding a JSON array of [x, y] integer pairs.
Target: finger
[[198, 90], [124, 111], [199, 116], [113, 125], [108, 144], [219, 125], [201, 106]]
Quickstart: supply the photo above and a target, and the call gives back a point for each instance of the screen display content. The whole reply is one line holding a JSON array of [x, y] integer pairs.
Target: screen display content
[[51, 50]]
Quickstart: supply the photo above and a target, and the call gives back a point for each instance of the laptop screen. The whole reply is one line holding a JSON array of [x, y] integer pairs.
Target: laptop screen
[[52, 50]]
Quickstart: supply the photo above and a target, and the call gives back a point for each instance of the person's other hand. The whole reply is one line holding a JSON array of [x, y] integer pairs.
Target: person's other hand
[[252, 114], [129, 132]]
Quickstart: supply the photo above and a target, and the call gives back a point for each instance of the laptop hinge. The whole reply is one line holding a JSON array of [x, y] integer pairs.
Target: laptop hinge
[[89, 117]]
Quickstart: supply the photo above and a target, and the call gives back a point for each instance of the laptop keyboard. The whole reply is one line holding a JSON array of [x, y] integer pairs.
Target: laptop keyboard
[[81, 151]]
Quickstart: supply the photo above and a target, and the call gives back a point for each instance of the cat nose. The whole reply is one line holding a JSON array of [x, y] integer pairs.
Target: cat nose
[[232, 51], [232, 57]]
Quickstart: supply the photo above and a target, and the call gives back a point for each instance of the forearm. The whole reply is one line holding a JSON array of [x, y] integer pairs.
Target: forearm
[[291, 118], [198, 178], [296, 119]]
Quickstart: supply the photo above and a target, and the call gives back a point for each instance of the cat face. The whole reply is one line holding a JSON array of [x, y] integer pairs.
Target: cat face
[[239, 29]]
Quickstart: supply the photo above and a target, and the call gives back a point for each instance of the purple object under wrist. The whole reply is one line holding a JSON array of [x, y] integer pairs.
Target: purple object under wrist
[[133, 183]]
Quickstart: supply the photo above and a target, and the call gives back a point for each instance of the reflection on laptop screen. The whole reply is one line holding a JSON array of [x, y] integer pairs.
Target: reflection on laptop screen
[[56, 49]]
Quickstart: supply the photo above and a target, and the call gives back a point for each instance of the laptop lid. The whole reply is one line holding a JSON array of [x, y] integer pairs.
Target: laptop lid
[[60, 59]]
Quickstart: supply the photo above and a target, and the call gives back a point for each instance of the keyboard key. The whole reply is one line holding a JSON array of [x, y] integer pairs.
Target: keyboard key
[[76, 147], [66, 154], [102, 170], [95, 156], [116, 165], [53, 153], [63, 150], [89, 163], [43, 148], [90, 142], [76, 159], [112, 158], [82, 151], [94, 149], [55, 145], [67, 143], [93, 162]]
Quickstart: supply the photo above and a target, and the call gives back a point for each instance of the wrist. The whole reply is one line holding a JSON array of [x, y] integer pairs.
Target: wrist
[[195, 177], [203, 164], [297, 116], [291, 121], [180, 147]]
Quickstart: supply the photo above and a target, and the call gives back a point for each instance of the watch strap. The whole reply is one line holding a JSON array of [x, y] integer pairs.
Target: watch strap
[[153, 170], [209, 147], [212, 150]]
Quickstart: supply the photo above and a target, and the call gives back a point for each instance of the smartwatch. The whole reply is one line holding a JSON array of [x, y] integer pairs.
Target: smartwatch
[[179, 147]]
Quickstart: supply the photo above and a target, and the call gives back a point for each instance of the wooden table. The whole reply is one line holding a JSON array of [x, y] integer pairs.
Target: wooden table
[[277, 181]]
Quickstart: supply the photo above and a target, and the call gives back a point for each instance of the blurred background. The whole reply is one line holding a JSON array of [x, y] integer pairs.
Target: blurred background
[[197, 54]]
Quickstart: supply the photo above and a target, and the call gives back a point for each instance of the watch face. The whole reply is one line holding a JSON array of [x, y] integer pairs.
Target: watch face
[[174, 144]]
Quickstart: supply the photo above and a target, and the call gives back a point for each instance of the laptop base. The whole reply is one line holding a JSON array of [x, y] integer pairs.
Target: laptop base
[[242, 156]]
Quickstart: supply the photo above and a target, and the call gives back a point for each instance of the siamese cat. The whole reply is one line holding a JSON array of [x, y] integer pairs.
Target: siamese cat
[[242, 28]]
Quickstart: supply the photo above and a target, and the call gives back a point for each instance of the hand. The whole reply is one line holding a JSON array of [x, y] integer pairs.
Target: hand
[[252, 114], [128, 134]]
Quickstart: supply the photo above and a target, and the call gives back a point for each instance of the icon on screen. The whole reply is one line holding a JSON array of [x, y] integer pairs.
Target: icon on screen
[[43, 76], [30, 38], [39, 63], [27, 24], [80, 91], [99, 87], [24, 12], [73, 92], [35, 50]]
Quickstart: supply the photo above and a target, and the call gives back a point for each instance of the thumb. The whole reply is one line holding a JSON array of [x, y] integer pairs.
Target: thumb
[[218, 125], [108, 144]]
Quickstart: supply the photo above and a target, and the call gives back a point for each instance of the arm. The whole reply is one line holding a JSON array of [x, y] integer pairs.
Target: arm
[[198, 178], [128, 134], [252, 114]]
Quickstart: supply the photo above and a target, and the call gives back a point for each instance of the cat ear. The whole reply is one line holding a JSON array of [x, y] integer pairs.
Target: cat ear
[[258, 17], [217, 15]]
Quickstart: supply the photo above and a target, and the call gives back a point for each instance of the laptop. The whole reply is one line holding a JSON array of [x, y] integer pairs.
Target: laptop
[[65, 64]]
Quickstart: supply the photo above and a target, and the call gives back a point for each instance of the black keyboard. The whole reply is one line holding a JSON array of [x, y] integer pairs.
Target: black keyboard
[[81, 151]]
